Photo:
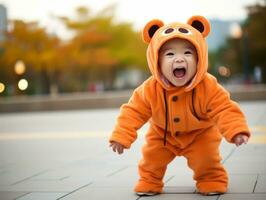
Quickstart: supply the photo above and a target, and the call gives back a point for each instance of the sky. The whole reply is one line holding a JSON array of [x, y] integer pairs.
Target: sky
[[137, 12]]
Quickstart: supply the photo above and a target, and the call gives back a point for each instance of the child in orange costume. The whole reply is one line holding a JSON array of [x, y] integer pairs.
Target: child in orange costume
[[188, 110]]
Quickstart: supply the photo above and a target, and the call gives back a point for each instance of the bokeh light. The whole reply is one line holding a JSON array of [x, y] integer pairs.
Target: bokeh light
[[2, 87], [224, 71], [23, 84], [236, 30], [20, 67]]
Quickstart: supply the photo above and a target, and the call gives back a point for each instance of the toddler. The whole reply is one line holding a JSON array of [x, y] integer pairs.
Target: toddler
[[187, 109]]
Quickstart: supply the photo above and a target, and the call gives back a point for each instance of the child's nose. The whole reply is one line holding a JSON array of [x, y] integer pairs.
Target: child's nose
[[179, 59]]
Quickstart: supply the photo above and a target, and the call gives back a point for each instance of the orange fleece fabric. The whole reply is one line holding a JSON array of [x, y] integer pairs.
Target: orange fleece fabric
[[211, 101], [201, 105]]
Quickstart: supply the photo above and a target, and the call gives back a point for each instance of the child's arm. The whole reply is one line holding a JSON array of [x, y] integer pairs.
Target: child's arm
[[226, 113], [132, 116]]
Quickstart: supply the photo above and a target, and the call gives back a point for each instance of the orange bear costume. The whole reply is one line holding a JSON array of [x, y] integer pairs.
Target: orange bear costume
[[184, 121]]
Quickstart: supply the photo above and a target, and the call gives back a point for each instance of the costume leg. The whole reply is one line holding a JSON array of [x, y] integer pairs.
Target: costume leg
[[153, 164], [204, 159]]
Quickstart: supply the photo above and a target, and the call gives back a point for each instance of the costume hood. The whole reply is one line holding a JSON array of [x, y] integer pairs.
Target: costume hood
[[155, 33]]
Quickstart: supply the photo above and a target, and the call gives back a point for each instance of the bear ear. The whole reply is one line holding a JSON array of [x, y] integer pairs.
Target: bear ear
[[201, 24], [150, 28]]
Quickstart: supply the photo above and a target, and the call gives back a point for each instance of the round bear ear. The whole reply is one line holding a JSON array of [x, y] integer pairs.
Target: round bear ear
[[150, 28], [201, 24]]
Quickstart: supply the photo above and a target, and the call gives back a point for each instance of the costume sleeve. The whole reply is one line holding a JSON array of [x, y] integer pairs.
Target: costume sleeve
[[133, 115], [224, 112]]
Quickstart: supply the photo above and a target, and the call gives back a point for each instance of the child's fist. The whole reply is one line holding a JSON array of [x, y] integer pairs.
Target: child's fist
[[117, 147], [240, 139]]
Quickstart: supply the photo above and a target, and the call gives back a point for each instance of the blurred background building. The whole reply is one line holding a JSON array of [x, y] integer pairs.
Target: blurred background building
[[220, 31], [3, 22]]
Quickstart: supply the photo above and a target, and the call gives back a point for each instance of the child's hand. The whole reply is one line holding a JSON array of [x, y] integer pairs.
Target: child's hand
[[117, 147], [240, 139]]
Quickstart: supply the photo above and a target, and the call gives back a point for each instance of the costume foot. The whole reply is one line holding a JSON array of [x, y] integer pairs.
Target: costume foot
[[147, 193], [211, 188], [211, 193]]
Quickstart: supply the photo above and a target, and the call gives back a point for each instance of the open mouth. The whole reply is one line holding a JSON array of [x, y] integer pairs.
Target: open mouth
[[179, 72]]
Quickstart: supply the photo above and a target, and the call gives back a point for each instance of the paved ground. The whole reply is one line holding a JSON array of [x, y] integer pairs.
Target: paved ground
[[65, 155]]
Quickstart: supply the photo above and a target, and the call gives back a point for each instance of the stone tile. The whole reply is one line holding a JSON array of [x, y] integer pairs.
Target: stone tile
[[79, 171], [116, 182], [181, 180], [250, 150], [243, 197], [179, 190], [246, 167], [180, 184], [178, 166], [248, 158], [180, 196], [241, 183], [51, 175], [42, 196], [5, 166], [126, 178], [47, 186], [5, 195], [226, 149], [101, 194], [12, 177], [261, 184]]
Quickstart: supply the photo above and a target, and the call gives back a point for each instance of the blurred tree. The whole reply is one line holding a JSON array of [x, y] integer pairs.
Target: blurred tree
[[244, 53], [31, 44], [101, 46], [255, 27]]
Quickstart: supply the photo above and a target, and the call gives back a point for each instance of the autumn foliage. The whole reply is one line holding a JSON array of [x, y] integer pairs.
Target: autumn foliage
[[99, 49]]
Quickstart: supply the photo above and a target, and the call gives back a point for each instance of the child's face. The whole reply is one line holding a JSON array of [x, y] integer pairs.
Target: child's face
[[178, 61]]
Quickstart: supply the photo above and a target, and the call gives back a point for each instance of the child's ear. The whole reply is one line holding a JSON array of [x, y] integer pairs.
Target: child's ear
[[150, 28], [201, 24]]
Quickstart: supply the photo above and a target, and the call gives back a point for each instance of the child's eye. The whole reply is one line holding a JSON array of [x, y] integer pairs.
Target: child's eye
[[169, 54], [188, 52]]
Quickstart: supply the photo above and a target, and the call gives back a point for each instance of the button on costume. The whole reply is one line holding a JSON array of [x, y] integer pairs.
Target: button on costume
[[187, 121]]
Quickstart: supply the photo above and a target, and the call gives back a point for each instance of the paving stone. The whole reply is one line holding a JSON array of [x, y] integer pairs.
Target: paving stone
[[46, 186], [243, 197], [181, 180], [13, 177], [126, 178], [41, 196], [226, 149], [179, 190], [241, 183], [261, 184], [178, 166], [180, 196], [101, 194], [6, 195], [51, 175], [247, 167], [180, 184], [76, 172], [250, 150], [258, 159], [247, 159], [88, 169], [116, 182]]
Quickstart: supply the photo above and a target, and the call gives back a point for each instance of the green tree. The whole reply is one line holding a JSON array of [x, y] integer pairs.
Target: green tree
[[246, 52], [256, 31]]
